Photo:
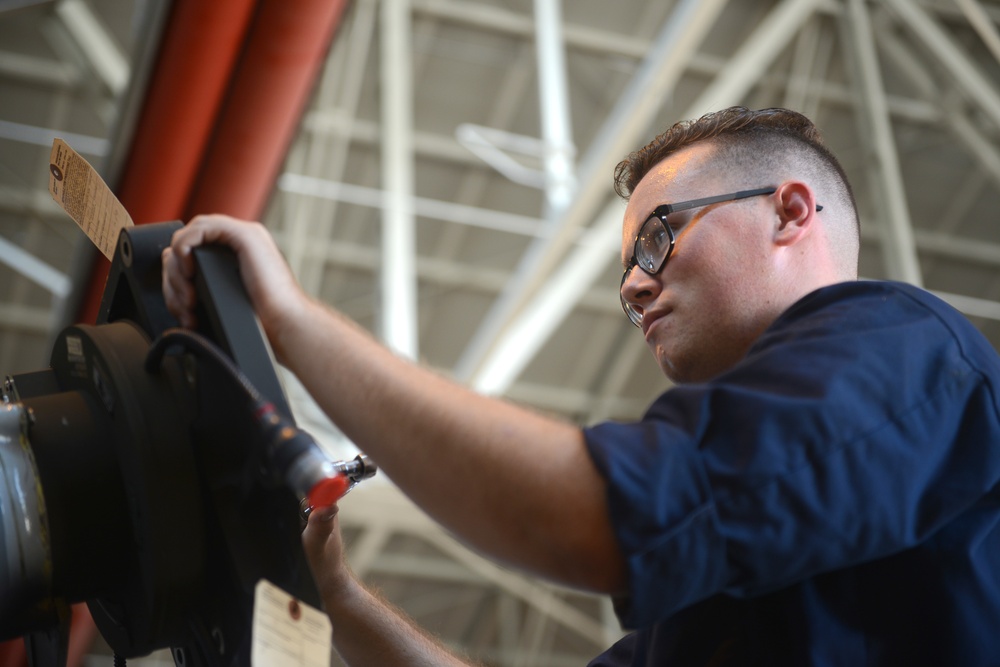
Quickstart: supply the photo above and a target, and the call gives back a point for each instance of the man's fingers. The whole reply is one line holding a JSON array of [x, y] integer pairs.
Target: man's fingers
[[269, 283], [319, 527], [179, 265], [178, 291], [316, 541]]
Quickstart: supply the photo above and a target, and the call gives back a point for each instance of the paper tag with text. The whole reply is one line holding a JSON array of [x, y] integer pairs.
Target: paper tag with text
[[77, 187], [288, 632]]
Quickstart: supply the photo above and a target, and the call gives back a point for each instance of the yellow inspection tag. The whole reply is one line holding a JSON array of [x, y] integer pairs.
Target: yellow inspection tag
[[81, 192], [288, 632]]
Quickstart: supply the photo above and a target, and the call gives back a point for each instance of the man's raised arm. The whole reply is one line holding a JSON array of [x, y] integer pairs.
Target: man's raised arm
[[515, 485]]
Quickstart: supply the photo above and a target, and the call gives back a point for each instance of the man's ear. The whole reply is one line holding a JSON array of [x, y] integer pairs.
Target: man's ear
[[795, 206]]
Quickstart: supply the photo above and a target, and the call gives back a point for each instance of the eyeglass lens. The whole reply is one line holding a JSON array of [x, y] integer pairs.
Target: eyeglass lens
[[653, 244], [652, 247]]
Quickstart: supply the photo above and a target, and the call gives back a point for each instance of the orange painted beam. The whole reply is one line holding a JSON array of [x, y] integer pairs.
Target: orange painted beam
[[200, 47], [82, 633], [81, 637], [13, 653], [287, 47]]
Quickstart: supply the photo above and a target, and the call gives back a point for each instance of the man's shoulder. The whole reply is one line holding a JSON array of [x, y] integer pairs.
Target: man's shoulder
[[860, 319], [876, 302]]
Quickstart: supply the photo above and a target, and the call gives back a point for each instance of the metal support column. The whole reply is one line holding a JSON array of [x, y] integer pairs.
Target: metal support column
[[553, 95], [898, 247], [398, 323]]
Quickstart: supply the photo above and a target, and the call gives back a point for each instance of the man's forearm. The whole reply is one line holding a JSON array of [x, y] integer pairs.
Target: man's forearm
[[514, 484], [370, 632]]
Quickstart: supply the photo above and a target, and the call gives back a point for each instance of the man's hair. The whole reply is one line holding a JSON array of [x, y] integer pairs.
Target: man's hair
[[753, 144]]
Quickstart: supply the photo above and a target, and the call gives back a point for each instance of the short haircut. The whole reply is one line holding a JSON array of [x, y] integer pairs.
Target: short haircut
[[754, 143]]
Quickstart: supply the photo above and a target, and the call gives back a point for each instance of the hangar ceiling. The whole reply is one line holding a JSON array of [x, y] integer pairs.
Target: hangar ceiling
[[443, 197]]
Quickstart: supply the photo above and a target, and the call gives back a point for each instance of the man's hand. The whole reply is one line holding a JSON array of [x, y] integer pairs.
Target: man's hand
[[324, 549], [275, 295]]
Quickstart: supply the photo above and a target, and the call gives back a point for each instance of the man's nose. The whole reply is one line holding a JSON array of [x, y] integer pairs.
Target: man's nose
[[640, 288]]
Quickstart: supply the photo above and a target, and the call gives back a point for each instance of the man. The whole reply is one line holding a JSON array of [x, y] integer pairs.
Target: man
[[820, 488]]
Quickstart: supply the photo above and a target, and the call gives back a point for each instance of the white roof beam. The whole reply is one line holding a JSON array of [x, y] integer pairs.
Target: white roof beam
[[422, 206], [444, 147], [312, 220], [384, 505], [750, 62], [34, 269], [982, 24], [496, 19], [558, 151], [624, 358], [96, 43], [441, 272], [536, 594], [945, 9], [45, 71], [946, 245], [954, 119], [37, 203], [976, 85], [811, 39], [365, 550], [535, 323], [43, 136], [29, 319]]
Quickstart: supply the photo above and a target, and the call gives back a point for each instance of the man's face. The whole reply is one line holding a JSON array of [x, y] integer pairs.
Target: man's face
[[705, 308]]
